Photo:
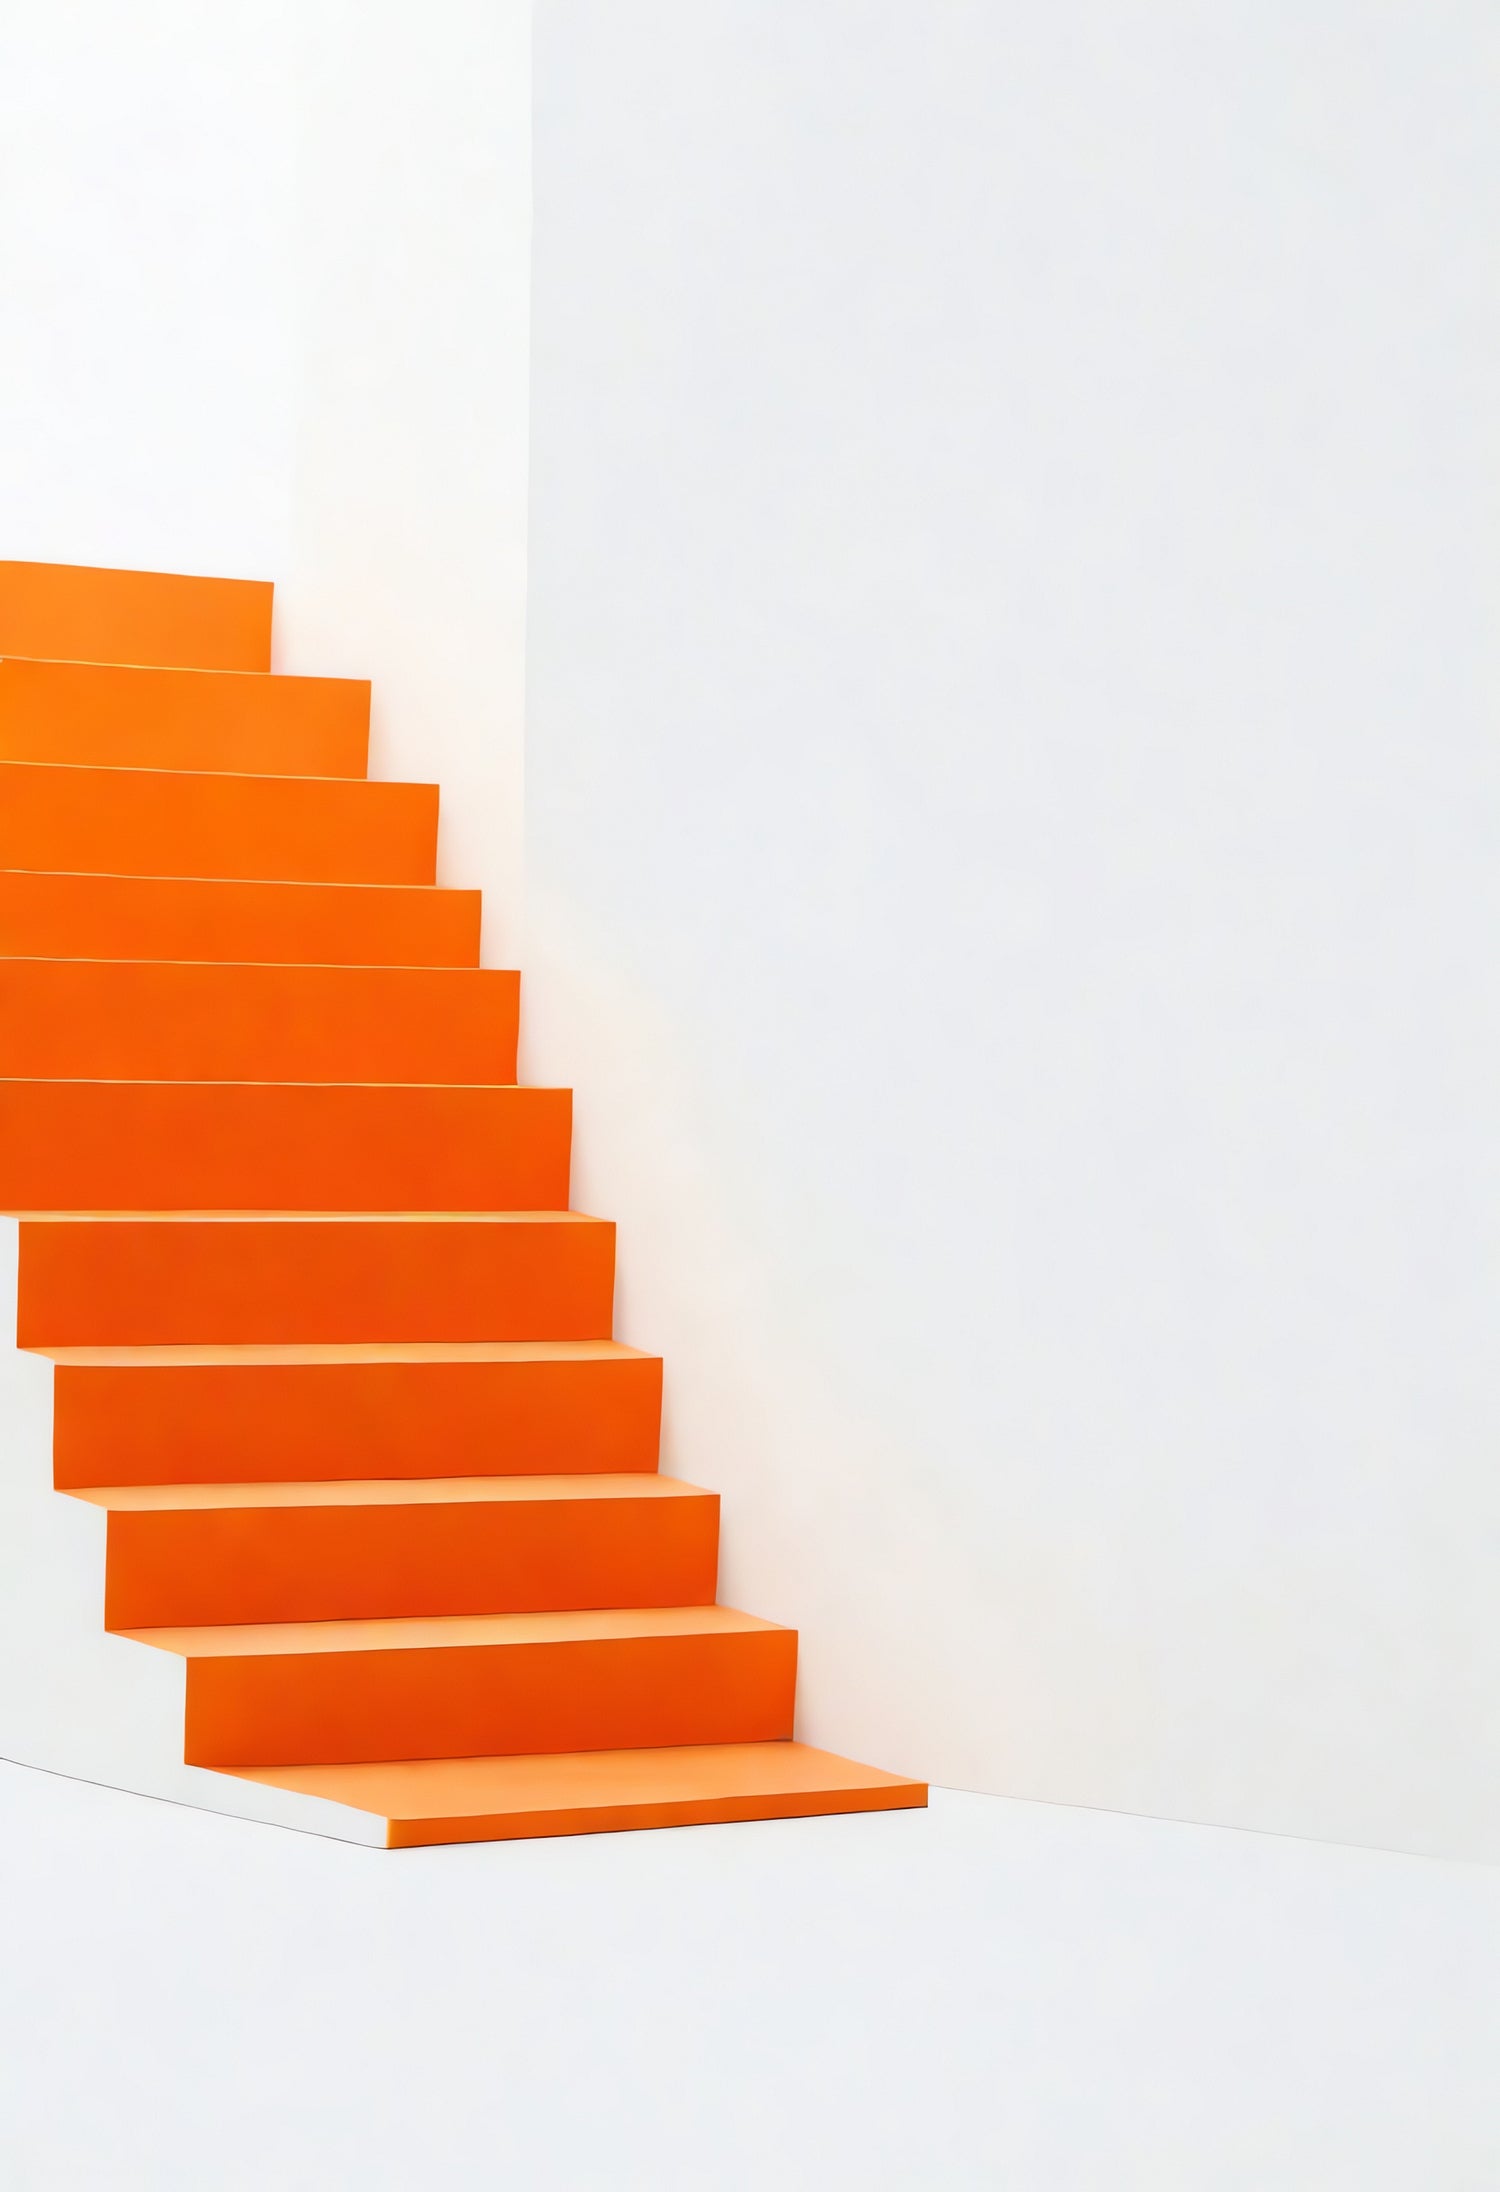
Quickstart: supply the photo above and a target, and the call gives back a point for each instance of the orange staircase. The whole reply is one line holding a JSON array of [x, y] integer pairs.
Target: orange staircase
[[332, 1354]]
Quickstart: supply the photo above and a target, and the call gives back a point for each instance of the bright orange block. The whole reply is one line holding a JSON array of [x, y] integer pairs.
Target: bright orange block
[[184, 1020], [165, 1281], [429, 1800], [255, 1414], [236, 1145], [469, 1686], [102, 716], [80, 613], [329, 924], [468, 1545], [297, 829]]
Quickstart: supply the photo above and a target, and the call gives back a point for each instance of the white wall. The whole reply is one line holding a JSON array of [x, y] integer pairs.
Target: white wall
[[148, 367], [263, 278], [407, 553], [1012, 862]]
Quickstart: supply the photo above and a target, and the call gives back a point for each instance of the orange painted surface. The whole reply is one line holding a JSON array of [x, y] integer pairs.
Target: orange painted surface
[[471, 1545], [235, 1145], [332, 1355], [430, 1800], [181, 1020], [332, 924], [168, 1417], [107, 717], [297, 829], [151, 1281], [481, 1685], [78, 613]]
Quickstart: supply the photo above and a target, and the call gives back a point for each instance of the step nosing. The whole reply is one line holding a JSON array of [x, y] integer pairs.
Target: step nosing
[[449, 1632], [254, 776], [271, 678], [289, 967], [236, 882], [303, 1217], [303, 1494], [240, 1080], [253, 1355]]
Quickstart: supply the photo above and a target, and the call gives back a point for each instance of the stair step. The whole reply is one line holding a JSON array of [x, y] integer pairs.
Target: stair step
[[235, 1414], [192, 1020], [60, 916], [164, 1278], [268, 1145], [104, 715], [81, 613], [175, 822], [430, 1800], [481, 1685], [214, 1553]]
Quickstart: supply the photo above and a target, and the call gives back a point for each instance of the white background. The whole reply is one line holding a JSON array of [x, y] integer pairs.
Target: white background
[[1009, 814], [982, 1995]]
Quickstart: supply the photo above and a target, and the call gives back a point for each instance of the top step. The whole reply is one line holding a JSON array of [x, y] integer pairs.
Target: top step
[[67, 612]]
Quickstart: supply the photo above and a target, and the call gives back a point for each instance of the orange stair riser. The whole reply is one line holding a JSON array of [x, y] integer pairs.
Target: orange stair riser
[[129, 917], [280, 1423], [491, 1700], [231, 1145], [703, 1811], [76, 614], [169, 1020], [104, 717], [268, 828], [142, 1284], [214, 1566]]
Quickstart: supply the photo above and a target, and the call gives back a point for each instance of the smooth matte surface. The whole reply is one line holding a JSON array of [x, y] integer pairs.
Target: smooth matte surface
[[106, 717], [137, 820], [473, 1545], [269, 1145], [62, 916], [155, 1415], [1011, 859], [981, 1997], [168, 1020], [455, 1632], [114, 1279], [96, 615], [434, 1800]]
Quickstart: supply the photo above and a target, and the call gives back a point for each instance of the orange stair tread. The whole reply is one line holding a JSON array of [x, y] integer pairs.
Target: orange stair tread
[[305, 1217], [177, 1081], [230, 882], [255, 776], [592, 1784], [386, 1492], [265, 1353], [436, 1632]]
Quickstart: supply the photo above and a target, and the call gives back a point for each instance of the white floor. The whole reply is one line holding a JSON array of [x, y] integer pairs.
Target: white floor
[[988, 1994]]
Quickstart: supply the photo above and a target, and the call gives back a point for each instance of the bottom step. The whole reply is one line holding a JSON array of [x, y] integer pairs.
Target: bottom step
[[425, 1800]]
